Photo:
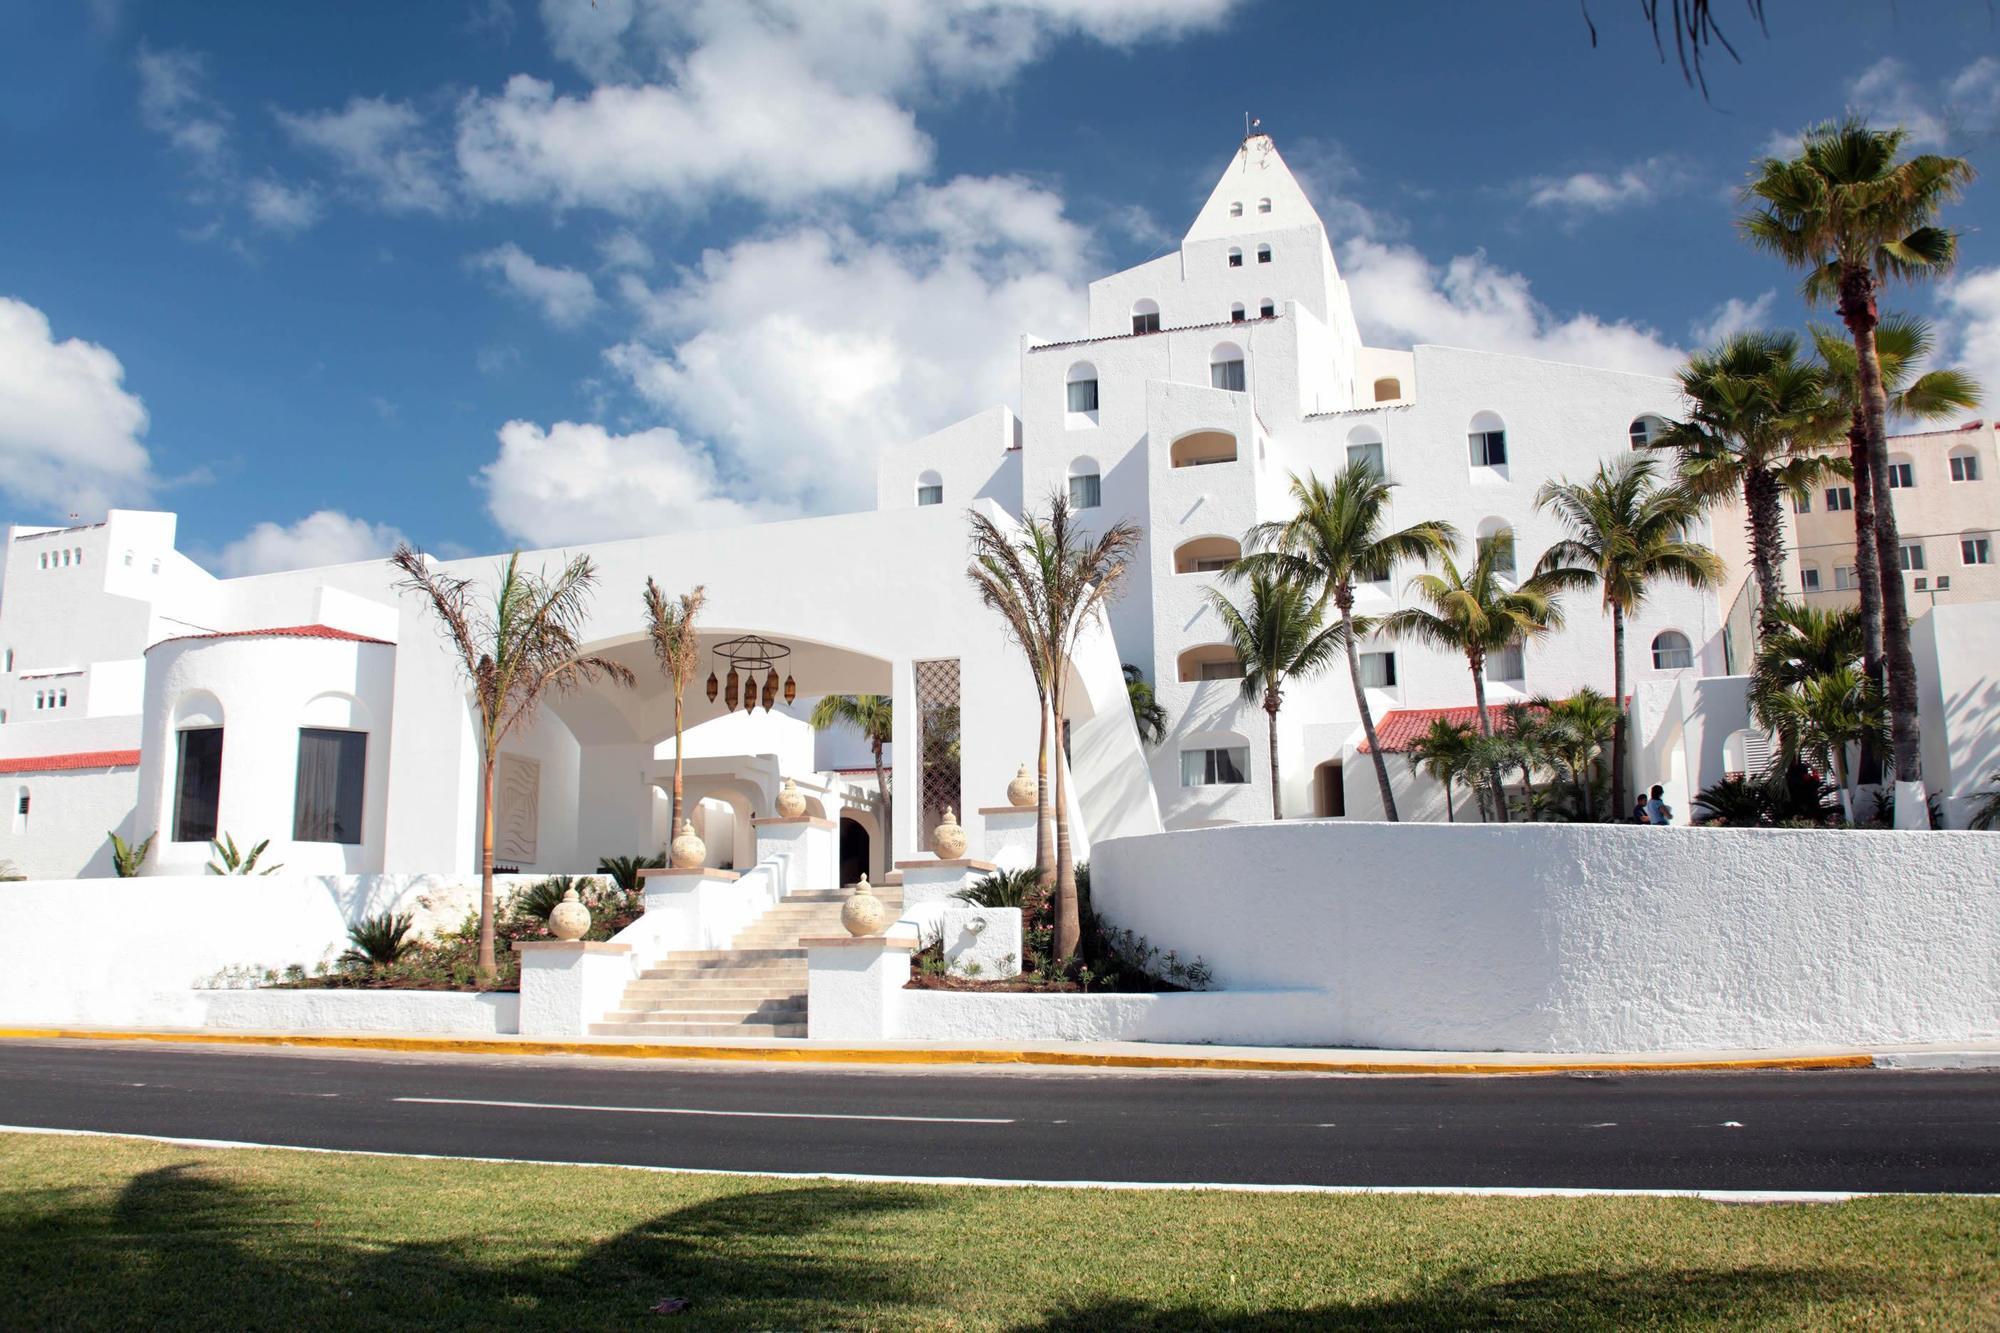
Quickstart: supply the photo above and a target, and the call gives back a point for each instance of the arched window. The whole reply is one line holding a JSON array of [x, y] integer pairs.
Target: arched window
[[1263, 205], [1235, 257], [1388, 389], [1364, 444], [1964, 464], [197, 784], [1225, 368], [1496, 532], [1236, 313], [1236, 208], [1645, 428], [1671, 651], [21, 808], [1085, 486], [1080, 394], [1488, 437], [1146, 315], [1206, 555], [1210, 661], [1263, 254], [1902, 472], [1203, 447], [1267, 308], [930, 488]]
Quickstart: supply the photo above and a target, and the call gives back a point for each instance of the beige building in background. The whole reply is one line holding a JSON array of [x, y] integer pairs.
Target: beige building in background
[[1945, 486]]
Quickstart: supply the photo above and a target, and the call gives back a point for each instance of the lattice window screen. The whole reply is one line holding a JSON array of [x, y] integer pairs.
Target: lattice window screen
[[938, 723]]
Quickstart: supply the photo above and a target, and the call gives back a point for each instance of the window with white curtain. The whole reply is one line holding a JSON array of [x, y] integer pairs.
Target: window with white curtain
[[1227, 375], [1846, 578], [1378, 671], [326, 806], [1368, 451], [1672, 651], [1086, 491], [1215, 767], [1083, 395], [1510, 663], [1489, 448]]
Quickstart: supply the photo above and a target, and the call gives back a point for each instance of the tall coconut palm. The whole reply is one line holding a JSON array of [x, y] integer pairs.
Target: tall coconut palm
[[1575, 732], [1902, 343], [514, 649], [1852, 215], [1476, 613], [1009, 570], [1281, 635], [670, 624], [1626, 535], [1820, 717], [874, 716], [1334, 540], [1443, 753], [1802, 644], [1756, 411]]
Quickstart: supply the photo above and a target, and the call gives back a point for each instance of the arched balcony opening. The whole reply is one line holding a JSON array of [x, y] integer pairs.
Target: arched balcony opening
[[1388, 389], [1203, 448], [1209, 661], [1206, 555]]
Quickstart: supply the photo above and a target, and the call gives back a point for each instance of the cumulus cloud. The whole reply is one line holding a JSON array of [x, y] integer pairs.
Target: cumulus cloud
[[622, 249], [282, 207], [325, 537], [173, 103], [379, 146], [1954, 115], [564, 296], [69, 430], [578, 481], [1732, 317], [1972, 305], [1593, 192], [1401, 297]]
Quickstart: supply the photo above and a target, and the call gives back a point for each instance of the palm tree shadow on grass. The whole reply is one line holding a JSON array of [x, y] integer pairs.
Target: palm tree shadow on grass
[[1586, 1299], [182, 1249]]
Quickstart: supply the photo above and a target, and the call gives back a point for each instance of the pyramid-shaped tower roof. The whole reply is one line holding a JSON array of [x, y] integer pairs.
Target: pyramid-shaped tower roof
[[1257, 192]]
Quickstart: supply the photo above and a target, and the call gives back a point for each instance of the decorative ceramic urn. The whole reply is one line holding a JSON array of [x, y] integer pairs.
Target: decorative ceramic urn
[[948, 839], [689, 851], [863, 913], [791, 801], [1021, 791], [570, 919]]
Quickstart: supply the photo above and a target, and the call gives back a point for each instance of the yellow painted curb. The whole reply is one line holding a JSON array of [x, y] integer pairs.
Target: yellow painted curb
[[925, 1055]]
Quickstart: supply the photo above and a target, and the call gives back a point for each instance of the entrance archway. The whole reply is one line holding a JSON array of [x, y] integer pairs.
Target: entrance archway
[[854, 850]]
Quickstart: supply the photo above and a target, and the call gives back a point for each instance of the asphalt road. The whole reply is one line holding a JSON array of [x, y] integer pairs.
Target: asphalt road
[[1842, 1130]]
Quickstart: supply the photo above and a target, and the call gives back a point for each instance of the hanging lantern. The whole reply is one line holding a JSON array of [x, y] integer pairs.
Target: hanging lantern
[[750, 697], [770, 691], [729, 691], [711, 687], [791, 689]]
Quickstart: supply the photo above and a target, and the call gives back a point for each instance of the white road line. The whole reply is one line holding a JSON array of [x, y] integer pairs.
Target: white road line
[[695, 1110], [1226, 1187]]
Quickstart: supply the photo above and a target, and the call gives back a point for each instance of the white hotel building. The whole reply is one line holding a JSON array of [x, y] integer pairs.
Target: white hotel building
[[140, 694]]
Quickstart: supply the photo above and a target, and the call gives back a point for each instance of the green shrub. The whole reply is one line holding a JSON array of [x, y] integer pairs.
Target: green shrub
[[624, 870], [374, 941], [543, 896], [126, 859], [230, 861]]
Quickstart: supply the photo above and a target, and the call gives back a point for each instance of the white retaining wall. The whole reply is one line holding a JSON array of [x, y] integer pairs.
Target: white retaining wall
[[1551, 937], [484, 1014]]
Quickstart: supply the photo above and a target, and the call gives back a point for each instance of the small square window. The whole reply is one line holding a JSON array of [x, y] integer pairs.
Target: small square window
[[1226, 375], [1378, 671], [930, 495], [1489, 448], [1263, 254], [1147, 323], [1839, 499], [1965, 467], [1975, 550], [1236, 259], [1809, 579], [1086, 492], [1268, 310], [1901, 475], [1083, 395], [1910, 555], [1802, 503]]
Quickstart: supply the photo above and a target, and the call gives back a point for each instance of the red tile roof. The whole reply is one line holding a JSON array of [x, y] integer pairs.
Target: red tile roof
[[64, 763], [1397, 729], [280, 632]]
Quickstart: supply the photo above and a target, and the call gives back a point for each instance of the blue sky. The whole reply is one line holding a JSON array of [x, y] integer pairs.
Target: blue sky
[[317, 276]]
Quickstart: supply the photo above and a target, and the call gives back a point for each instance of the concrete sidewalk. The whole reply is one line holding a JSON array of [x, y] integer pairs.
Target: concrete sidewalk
[[1103, 1055]]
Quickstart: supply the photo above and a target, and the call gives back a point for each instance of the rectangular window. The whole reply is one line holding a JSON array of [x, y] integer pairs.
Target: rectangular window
[[1846, 578], [1268, 310], [1910, 555], [1901, 475], [1489, 448], [1227, 375], [1215, 768], [930, 495], [1371, 452], [1085, 492], [1378, 671], [1149, 323], [1802, 504], [1975, 550], [326, 805], [198, 790], [1083, 395], [1210, 564], [1965, 467], [1839, 498], [1236, 315], [1236, 259], [1507, 664], [1809, 577], [1229, 670]]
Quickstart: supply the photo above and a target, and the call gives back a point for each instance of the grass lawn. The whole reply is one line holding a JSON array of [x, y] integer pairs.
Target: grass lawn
[[111, 1233]]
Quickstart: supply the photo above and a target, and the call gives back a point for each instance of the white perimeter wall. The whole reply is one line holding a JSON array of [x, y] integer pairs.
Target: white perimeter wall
[[1570, 937], [71, 816]]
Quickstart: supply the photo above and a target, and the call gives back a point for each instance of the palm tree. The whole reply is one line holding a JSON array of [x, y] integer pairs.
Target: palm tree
[[1525, 748], [1009, 571], [1147, 713], [513, 649], [1802, 644], [1475, 613], [1442, 752], [1902, 343], [1333, 541], [670, 625], [1278, 637], [1820, 717], [1756, 410], [1625, 534], [874, 716], [1851, 215], [1574, 734]]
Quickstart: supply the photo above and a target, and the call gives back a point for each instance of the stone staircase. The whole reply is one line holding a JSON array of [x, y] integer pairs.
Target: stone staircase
[[755, 988]]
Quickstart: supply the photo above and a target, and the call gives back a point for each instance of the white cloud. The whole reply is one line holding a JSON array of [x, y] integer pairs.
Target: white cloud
[[579, 482], [564, 296], [1953, 115], [326, 537], [69, 430], [1732, 317], [173, 103], [621, 249], [1401, 297], [282, 207], [1588, 192], [379, 146], [1972, 301]]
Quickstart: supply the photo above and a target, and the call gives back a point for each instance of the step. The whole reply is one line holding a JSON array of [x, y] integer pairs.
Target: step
[[719, 967], [772, 1014], [728, 986], [734, 955], [697, 1029]]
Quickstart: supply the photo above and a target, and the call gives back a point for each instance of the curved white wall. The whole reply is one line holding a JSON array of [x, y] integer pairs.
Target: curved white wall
[[1566, 937]]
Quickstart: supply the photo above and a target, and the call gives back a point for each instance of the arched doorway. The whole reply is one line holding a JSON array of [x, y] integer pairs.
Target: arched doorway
[[854, 850]]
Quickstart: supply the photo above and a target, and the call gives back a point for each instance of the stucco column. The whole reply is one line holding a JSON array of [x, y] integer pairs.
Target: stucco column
[[808, 849], [566, 985], [854, 985]]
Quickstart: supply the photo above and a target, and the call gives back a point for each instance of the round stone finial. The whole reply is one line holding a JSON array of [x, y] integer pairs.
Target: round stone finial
[[948, 839], [1021, 791], [688, 850], [571, 919], [791, 801], [863, 913]]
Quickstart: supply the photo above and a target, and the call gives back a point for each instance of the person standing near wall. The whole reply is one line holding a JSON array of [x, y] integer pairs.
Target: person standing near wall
[[1657, 810]]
